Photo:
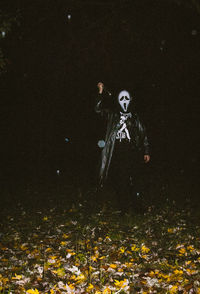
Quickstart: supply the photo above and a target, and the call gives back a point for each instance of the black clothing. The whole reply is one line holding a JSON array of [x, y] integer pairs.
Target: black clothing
[[121, 156]]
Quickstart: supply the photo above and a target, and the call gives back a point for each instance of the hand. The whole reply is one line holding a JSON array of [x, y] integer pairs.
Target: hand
[[100, 86], [146, 158]]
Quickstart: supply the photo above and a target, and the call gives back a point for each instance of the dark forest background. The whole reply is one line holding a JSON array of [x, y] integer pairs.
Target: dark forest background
[[53, 53]]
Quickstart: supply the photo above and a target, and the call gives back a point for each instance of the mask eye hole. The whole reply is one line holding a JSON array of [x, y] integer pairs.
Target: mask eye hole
[[122, 98], [126, 98]]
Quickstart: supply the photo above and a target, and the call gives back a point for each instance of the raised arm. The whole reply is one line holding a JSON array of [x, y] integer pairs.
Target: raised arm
[[102, 103], [100, 87]]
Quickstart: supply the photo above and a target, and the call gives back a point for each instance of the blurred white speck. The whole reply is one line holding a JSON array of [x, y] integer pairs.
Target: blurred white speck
[[74, 222], [3, 34], [67, 140], [58, 171], [69, 16], [101, 143], [194, 32]]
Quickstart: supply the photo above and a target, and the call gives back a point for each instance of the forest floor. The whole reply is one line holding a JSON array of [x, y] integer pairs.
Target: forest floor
[[81, 246]]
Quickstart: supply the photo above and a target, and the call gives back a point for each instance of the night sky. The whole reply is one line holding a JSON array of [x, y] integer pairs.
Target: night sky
[[60, 51]]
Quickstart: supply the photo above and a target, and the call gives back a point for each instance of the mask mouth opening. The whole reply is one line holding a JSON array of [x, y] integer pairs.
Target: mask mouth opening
[[125, 106]]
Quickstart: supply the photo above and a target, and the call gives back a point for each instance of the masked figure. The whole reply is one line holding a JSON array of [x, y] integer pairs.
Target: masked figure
[[125, 141]]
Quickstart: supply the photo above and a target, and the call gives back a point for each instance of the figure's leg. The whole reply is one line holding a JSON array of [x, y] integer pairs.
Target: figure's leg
[[116, 179], [121, 180], [136, 182]]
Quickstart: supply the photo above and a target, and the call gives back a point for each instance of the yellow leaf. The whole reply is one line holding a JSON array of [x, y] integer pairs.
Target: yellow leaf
[[63, 243], [128, 264], [4, 248], [107, 291], [80, 278], [31, 291], [65, 236], [145, 249], [113, 266], [90, 287], [188, 262], [53, 257], [173, 289], [102, 257], [60, 272], [177, 272], [48, 250], [117, 283], [121, 284], [4, 280], [120, 270], [190, 248], [73, 277], [17, 277], [70, 251], [23, 247], [152, 274], [94, 258], [122, 249], [190, 271], [71, 286], [182, 251], [134, 248]]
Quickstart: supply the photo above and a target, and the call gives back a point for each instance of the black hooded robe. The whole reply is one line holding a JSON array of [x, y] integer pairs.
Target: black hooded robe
[[130, 151]]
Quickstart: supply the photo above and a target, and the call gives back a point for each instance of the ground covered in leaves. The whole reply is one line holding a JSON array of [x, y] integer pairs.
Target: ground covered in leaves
[[67, 247]]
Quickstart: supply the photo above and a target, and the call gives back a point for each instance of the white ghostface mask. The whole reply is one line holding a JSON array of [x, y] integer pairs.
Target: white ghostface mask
[[124, 99]]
